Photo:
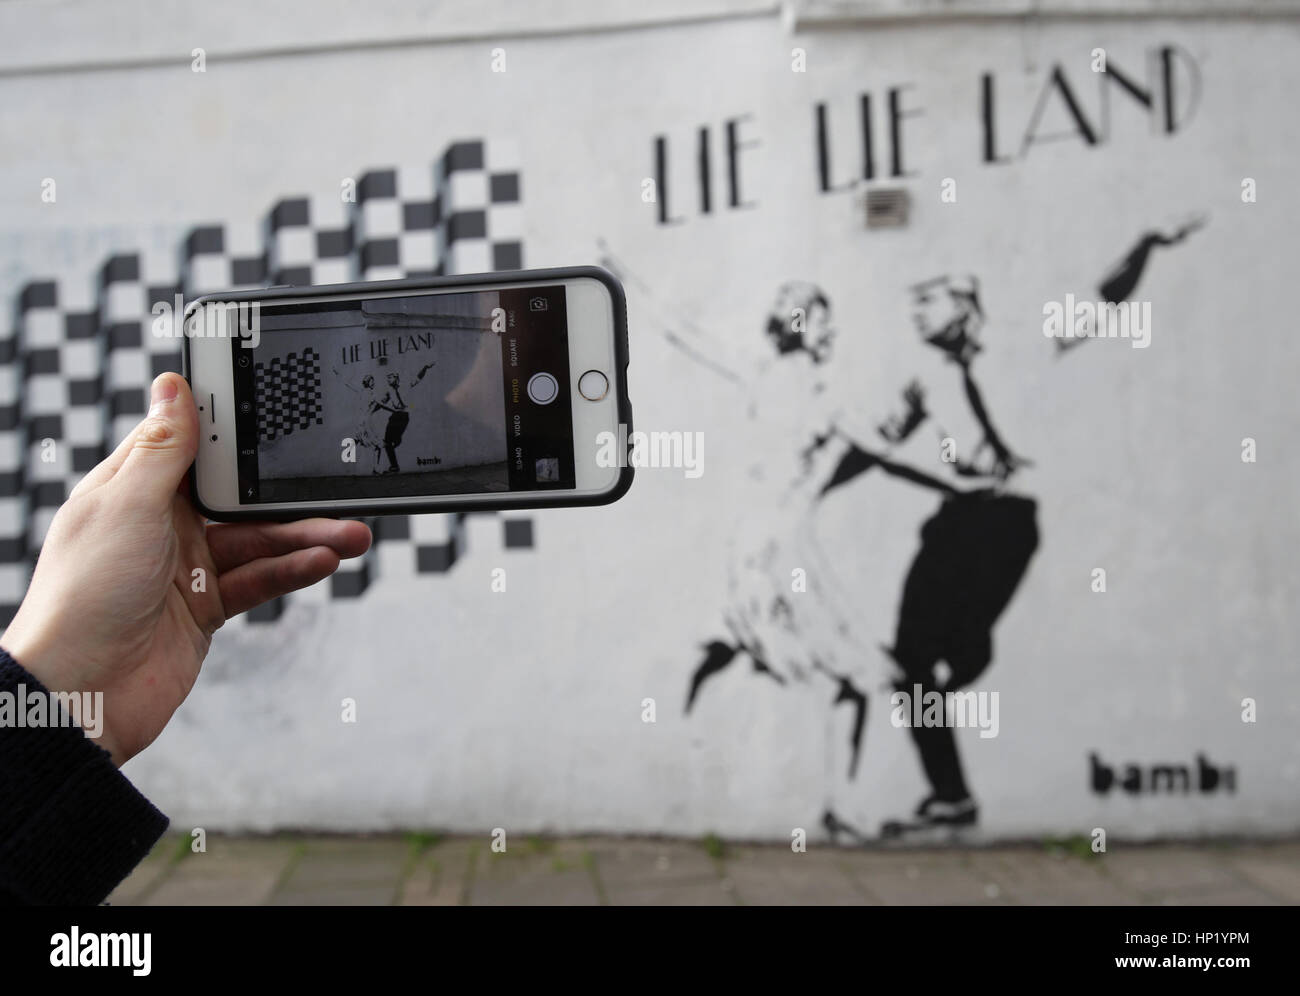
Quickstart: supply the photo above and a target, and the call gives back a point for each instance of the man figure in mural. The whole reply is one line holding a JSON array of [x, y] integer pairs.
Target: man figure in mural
[[367, 436], [974, 549], [399, 414]]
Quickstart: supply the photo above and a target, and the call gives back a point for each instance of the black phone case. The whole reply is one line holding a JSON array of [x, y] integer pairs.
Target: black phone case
[[468, 282]]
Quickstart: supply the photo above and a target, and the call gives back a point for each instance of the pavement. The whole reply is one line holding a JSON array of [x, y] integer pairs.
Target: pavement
[[434, 870]]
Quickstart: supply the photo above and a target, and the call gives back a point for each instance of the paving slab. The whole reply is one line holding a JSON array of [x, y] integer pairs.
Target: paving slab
[[1034, 877], [439, 875], [534, 873], [922, 878], [345, 871], [778, 876], [659, 873], [233, 871], [1160, 873], [156, 866], [1273, 868]]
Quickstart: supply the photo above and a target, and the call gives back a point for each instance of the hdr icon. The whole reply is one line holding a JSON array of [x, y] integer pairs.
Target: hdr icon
[[1170, 779]]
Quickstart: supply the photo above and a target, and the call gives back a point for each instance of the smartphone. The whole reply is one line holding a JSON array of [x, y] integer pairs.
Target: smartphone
[[488, 391]]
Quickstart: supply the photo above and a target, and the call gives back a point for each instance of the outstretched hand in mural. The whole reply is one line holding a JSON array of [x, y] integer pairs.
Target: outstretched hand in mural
[[132, 583], [1121, 280]]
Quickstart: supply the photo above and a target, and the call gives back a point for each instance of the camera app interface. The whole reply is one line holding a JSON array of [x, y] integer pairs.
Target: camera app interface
[[435, 394]]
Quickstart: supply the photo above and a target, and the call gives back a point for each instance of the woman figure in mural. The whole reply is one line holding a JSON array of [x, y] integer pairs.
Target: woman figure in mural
[[367, 436], [783, 613], [974, 549], [399, 414]]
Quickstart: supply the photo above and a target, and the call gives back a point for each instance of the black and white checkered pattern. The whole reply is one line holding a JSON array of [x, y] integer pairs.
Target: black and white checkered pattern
[[480, 217], [60, 402], [287, 394], [309, 242], [77, 361], [377, 223], [223, 257], [137, 334], [15, 567]]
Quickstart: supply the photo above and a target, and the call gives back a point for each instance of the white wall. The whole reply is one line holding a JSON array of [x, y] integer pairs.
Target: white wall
[[524, 709]]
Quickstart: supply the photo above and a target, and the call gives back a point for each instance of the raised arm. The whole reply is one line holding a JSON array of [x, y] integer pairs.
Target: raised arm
[[423, 370]]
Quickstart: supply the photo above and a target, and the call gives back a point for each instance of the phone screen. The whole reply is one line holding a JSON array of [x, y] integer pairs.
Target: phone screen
[[426, 394]]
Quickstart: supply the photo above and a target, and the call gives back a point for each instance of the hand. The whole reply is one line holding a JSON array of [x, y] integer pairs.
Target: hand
[[1006, 463], [914, 396], [131, 584], [897, 428], [1193, 223]]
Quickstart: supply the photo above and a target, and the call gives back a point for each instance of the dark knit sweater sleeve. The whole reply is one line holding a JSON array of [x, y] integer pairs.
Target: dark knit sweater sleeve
[[71, 825]]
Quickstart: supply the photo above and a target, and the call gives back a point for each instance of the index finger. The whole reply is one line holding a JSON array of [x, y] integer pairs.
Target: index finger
[[233, 544]]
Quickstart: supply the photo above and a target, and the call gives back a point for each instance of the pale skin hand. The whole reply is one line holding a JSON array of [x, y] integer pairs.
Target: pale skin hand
[[112, 607]]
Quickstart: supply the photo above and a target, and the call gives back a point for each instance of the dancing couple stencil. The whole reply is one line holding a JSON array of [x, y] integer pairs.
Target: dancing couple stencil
[[786, 614], [383, 415]]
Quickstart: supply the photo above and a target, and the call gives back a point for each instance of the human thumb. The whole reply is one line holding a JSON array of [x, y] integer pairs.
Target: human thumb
[[164, 444]]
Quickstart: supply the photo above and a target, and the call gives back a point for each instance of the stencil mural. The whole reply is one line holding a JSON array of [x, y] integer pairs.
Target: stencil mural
[[916, 460], [790, 624]]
